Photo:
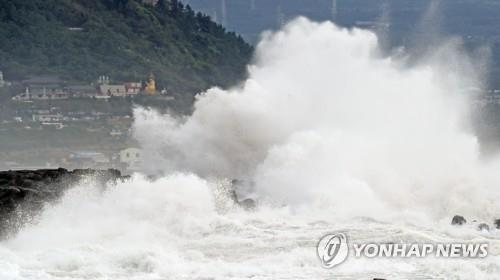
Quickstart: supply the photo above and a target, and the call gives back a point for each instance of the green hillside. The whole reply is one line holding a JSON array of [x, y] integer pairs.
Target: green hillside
[[124, 39]]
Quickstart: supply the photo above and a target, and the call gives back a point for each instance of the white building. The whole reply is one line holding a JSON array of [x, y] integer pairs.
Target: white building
[[132, 157], [47, 118], [56, 125], [41, 94], [112, 90]]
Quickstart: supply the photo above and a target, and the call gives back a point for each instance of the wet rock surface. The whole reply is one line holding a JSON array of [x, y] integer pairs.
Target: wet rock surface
[[458, 220], [23, 193], [483, 227], [238, 197]]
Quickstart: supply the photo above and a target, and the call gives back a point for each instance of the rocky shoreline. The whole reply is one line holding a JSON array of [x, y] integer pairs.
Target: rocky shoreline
[[23, 193], [458, 220]]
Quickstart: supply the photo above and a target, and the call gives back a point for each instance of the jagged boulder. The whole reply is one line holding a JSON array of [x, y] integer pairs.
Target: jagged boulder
[[247, 204], [483, 227], [237, 188], [458, 220]]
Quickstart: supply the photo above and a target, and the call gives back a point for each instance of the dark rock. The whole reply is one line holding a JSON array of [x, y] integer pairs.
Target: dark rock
[[239, 194], [458, 220], [7, 175], [497, 223], [27, 183], [484, 227], [9, 192], [247, 204], [23, 193], [233, 196], [34, 177]]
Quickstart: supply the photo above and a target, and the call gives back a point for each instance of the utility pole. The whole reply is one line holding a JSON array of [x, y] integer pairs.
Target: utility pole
[[224, 12], [280, 16], [334, 10]]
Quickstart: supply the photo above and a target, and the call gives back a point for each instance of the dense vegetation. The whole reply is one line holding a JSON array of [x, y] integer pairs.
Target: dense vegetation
[[125, 39]]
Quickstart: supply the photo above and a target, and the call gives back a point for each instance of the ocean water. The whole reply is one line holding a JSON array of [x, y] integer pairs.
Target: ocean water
[[327, 134], [183, 227]]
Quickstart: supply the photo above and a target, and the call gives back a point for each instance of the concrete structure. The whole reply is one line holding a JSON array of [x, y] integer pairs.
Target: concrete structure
[[56, 125], [133, 88], [41, 94], [47, 82], [81, 91], [52, 88], [75, 28], [47, 118], [112, 90], [42, 88]]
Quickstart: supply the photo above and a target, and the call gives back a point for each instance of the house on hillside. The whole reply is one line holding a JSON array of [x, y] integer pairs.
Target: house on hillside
[[45, 93], [133, 88], [82, 91], [112, 90], [54, 92], [43, 81], [42, 88], [47, 117], [53, 88]]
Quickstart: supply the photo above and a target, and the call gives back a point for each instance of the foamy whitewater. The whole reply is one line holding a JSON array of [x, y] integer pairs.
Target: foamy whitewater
[[327, 134]]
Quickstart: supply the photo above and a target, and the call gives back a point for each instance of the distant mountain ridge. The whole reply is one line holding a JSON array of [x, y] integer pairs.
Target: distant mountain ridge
[[399, 22], [124, 39]]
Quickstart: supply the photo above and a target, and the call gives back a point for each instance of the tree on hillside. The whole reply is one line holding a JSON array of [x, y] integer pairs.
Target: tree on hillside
[[123, 39]]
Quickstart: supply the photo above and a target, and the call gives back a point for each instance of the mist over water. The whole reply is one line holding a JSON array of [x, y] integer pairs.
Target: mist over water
[[325, 121], [328, 134]]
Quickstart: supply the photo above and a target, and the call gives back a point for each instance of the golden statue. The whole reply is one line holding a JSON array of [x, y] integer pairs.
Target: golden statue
[[151, 84]]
